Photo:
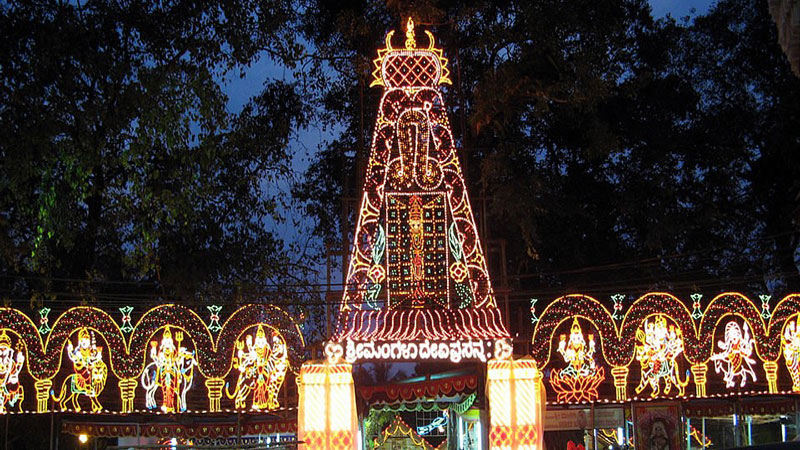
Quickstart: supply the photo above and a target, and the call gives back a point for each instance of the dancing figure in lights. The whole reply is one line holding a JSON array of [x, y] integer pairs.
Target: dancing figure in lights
[[90, 374], [11, 362], [734, 359], [262, 369], [657, 349], [171, 369], [580, 379], [790, 343]]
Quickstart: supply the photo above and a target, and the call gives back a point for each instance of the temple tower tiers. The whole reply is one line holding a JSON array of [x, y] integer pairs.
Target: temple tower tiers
[[417, 269]]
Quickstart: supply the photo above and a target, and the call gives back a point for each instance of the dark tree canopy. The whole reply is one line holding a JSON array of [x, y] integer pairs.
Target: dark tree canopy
[[123, 176], [615, 152]]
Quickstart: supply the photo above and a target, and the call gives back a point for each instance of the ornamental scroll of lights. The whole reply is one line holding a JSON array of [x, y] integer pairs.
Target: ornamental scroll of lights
[[661, 347], [417, 282], [89, 362]]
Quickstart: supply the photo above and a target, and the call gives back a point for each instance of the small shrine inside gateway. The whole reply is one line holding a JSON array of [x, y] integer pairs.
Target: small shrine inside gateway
[[418, 298]]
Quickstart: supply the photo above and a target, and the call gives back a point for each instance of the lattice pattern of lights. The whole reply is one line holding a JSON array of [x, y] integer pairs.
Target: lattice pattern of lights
[[516, 399], [326, 416]]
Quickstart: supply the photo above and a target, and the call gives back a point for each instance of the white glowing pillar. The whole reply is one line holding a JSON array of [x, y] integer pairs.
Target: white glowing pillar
[[516, 404], [326, 416]]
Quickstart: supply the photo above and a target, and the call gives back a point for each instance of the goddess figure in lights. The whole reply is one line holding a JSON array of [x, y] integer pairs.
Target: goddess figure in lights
[[580, 379], [790, 343], [171, 369], [417, 250], [11, 362], [90, 374], [262, 368], [734, 359], [657, 349]]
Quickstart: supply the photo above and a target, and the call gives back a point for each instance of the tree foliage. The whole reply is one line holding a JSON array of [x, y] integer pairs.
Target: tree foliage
[[615, 151], [123, 176]]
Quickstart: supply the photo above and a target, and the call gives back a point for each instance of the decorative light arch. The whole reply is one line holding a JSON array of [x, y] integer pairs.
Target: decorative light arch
[[128, 354], [766, 337]]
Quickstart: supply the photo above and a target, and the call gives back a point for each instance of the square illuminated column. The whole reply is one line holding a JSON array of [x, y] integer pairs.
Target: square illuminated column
[[326, 417], [516, 404]]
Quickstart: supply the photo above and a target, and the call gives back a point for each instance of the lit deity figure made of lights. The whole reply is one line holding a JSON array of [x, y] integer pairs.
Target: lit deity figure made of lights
[[580, 379], [171, 369], [576, 353], [734, 359], [90, 374], [657, 349], [790, 343], [262, 367], [11, 362]]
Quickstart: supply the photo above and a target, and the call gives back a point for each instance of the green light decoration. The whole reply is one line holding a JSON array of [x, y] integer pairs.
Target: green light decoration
[[214, 326], [377, 272], [696, 313], [126, 319], [379, 246], [463, 406], [458, 270], [455, 243], [765, 313], [44, 326], [617, 298], [464, 293], [534, 317]]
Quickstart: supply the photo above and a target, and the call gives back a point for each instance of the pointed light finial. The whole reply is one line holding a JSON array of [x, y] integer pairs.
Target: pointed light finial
[[411, 43]]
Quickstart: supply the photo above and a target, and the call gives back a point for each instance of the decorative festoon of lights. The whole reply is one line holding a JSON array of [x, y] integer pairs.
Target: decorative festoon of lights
[[416, 270], [579, 380], [168, 352], [734, 359], [672, 343]]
